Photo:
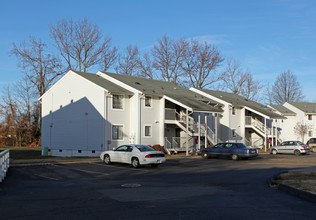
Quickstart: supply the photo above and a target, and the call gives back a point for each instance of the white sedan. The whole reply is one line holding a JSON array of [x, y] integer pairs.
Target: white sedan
[[134, 154]]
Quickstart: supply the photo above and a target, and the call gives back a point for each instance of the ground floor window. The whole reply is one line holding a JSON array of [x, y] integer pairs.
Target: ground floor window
[[117, 132], [147, 131]]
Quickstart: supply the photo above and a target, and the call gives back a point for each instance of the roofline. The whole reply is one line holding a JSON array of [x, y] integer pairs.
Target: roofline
[[62, 78], [220, 101], [229, 103], [118, 82], [178, 103]]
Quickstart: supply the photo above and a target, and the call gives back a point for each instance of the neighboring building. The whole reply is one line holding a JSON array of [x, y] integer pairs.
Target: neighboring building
[[285, 125], [84, 114], [244, 120], [305, 115]]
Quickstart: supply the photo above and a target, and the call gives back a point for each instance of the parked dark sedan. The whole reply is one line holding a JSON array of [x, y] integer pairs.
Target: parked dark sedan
[[232, 150]]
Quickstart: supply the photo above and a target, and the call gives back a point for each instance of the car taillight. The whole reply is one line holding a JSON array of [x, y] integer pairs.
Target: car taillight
[[303, 146], [148, 156]]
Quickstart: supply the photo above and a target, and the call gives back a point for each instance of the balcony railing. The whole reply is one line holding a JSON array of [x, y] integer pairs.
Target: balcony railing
[[4, 163]]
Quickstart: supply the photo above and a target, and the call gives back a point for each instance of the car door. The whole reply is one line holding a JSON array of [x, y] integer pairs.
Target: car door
[[289, 148], [128, 154], [217, 150], [227, 149], [282, 147], [119, 154]]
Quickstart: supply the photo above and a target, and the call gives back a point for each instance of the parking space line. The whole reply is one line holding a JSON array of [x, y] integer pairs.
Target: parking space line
[[46, 177], [87, 171]]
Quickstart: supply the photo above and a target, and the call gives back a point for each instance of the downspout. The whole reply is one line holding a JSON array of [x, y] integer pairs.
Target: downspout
[[265, 135], [187, 133], [206, 127], [199, 130]]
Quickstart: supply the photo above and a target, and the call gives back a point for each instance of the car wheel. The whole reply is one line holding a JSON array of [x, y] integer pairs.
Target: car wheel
[[204, 154], [135, 162], [274, 152], [314, 149], [235, 157], [107, 159], [297, 153]]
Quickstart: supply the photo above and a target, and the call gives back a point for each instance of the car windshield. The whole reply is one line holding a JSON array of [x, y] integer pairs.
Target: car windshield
[[300, 143], [143, 148]]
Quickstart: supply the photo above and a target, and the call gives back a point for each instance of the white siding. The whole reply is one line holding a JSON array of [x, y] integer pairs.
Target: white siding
[[73, 117]]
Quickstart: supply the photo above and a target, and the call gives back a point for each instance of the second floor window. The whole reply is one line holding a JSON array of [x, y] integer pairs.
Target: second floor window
[[118, 101], [234, 134], [233, 111], [147, 101]]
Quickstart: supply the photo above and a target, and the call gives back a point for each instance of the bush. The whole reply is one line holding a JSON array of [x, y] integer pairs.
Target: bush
[[158, 147]]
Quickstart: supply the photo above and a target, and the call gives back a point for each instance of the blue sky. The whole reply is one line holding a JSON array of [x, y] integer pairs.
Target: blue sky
[[266, 36]]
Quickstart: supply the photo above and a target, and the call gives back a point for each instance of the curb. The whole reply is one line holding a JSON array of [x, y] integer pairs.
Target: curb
[[291, 190], [298, 193]]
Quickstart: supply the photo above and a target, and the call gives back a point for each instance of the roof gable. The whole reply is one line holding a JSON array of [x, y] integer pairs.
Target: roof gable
[[307, 107], [283, 110], [109, 86]]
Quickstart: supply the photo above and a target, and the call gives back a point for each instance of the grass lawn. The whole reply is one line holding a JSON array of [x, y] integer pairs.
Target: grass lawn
[[18, 153], [303, 180]]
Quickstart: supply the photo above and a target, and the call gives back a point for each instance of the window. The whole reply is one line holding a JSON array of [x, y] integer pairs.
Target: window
[[117, 132], [310, 133], [233, 111], [234, 133], [310, 117], [147, 101], [228, 145], [117, 101], [147, 131]]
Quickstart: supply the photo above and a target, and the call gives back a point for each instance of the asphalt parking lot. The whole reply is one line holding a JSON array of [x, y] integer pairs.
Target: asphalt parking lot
[[182, 188]]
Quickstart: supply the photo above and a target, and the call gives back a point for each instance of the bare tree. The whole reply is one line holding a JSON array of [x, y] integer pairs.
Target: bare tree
[[239, 82], [251, 87], [301, 129], [145, 67], [40, 68], [200, 63], [168, 57], [81, 45], [286, 88], [233, 77], [129, 61], [109, 55]]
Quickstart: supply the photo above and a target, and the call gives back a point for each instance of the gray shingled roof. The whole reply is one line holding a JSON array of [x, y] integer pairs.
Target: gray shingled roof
[[283, 110], [98, 80], [156, 87], [307, 107], [240, 101]]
